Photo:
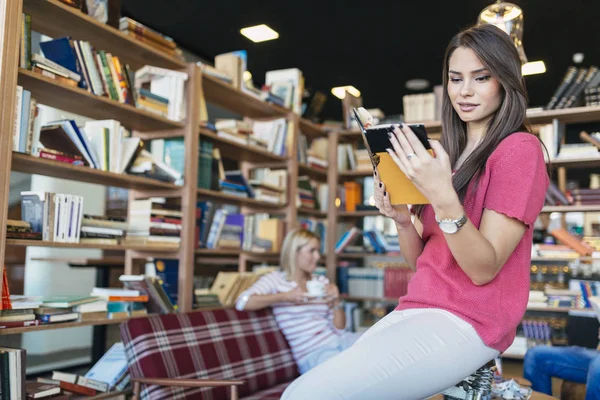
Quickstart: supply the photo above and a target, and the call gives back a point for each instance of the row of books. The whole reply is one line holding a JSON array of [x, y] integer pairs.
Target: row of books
[[270, 135], [154, 222], [351, 159], [570, 91], [312, 194], [371, 241], [577, 196], [78, 63], [225, 227], [424, 106], [389, 282], [314, 155], [26, 129]]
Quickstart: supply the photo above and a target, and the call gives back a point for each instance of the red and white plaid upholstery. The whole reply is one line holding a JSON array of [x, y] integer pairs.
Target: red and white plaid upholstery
[[215, 344]]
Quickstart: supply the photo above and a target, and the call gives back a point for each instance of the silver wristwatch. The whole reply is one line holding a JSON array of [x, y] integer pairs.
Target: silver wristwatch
[[451, 226]]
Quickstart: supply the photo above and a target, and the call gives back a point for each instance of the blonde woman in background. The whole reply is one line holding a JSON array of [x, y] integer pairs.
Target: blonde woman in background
[[314, 329]]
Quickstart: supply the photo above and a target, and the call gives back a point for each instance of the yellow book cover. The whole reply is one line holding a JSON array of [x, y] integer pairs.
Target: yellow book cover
[[401, 190]]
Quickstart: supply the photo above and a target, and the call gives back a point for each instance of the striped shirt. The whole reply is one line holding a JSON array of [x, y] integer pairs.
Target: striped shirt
[[305, 326]]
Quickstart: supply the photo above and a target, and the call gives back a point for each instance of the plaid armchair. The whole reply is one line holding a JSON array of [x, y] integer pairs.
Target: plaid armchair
[[206, 354]]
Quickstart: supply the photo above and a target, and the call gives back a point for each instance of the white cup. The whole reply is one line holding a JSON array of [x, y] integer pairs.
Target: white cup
[[315, 288]]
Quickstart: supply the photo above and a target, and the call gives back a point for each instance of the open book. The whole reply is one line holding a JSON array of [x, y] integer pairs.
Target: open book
[[401, 190]]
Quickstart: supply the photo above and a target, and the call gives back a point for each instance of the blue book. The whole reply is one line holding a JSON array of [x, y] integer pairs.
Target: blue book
[[168, 272], [24, 128], [61, 52]]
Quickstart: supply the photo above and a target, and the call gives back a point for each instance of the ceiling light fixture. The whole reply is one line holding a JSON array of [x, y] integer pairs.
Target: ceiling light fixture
[[259, 33], [340, 91], [533, 67]]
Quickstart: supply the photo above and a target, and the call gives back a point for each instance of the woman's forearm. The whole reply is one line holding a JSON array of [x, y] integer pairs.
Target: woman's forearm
[[411, 244], [339, 318], [472, 251], [260, 301]]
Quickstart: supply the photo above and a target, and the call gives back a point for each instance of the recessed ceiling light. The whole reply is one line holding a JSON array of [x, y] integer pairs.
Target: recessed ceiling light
[[417, 84], [259, 33], [340, 91], [533, 67]]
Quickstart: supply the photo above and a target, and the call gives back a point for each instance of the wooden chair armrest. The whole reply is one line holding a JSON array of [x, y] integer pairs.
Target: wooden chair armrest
[[180, 382]]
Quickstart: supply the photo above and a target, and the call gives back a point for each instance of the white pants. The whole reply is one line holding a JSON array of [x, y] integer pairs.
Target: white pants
[[410, 354]]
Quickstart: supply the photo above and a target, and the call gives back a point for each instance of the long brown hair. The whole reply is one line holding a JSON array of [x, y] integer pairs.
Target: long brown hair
[[499, 55]]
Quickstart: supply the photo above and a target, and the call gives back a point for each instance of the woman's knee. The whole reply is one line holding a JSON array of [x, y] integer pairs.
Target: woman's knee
[[535, 358]]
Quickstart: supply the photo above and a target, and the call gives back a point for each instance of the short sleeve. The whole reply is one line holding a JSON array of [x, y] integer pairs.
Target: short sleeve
[[265, 285], [518, 178]]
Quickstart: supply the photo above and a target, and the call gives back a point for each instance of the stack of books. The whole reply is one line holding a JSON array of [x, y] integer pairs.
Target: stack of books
[[21, 230], [142, 33], [102, 229], [153, 223]]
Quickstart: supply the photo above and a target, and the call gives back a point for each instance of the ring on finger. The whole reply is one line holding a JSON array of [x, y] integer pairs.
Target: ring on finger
[[411, 155]]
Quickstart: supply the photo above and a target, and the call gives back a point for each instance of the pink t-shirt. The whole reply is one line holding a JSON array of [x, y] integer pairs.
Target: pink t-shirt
[[514, 183]]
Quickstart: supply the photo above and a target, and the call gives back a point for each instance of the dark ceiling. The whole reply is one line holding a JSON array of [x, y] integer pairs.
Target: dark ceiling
[[374, 45]]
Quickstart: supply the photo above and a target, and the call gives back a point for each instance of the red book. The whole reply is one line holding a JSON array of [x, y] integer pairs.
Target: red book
[[79, 389], [5, 304], [19, 324], [57, 157]]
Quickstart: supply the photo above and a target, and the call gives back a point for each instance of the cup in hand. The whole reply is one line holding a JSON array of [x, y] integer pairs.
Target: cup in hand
[[315, 288]]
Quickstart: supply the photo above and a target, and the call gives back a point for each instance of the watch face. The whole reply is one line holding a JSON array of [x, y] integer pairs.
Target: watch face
[[448, 227]]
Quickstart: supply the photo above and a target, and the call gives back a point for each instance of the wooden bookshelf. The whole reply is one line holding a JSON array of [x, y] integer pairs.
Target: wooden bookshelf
[[104, 396], [64, 325], [223, 94], [238, 151], [312, 172], [345, 175], [310, 129], [551, 309], [358, 298], [513, 356], [56, 19], [219, 252], [34, 165], [79, 101], [358, 214], [363, 255], [312, 212], [233, 199], [122, 247], [585, 208], [577, 163], [566, 115]]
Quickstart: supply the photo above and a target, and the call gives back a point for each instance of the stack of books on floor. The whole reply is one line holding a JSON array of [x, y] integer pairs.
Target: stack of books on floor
[[153, 222], [109, 374]]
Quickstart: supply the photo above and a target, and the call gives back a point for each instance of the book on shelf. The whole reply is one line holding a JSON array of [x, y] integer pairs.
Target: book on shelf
[[167, 84], [26, 129], [38, 390], [56, 215], [571, 89], [152, 286], [12, 373], [154, 222], [147, 35]]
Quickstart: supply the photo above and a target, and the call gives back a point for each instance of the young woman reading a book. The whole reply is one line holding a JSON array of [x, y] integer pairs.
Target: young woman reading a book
[[313, 325], [470, 247]]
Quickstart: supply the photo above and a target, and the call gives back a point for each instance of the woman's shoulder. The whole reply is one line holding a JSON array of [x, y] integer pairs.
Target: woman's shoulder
[[516, 144]]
